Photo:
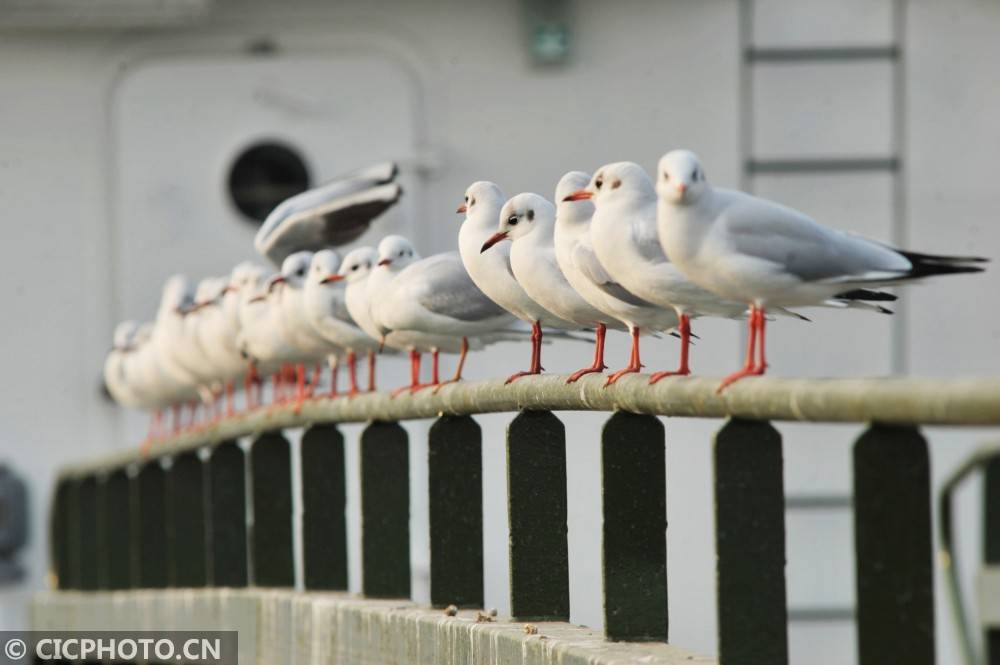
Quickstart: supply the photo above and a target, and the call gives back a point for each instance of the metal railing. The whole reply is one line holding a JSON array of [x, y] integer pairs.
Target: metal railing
[[129, 522]]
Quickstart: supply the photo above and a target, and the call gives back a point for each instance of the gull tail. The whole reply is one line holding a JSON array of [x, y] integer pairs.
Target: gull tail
[[925, 265]]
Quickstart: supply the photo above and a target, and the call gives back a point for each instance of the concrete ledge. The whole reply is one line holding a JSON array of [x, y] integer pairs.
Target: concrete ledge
[[885, 400], [339, 629]]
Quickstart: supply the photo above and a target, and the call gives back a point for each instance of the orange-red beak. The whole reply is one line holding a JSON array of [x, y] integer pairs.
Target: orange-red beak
[[330, 279], [579, 195], [681, 188], [462, 208], [274, 282], [493, 239], [385, 262]]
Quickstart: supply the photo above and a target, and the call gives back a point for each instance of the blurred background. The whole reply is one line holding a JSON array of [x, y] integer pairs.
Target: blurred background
[[146, 137]]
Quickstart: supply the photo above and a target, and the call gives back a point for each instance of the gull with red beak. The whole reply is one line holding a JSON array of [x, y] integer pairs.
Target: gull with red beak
[[491, 270], [310, 347], [624, 237], [528, 220], [325, 307], [575, 255], [754, 251]]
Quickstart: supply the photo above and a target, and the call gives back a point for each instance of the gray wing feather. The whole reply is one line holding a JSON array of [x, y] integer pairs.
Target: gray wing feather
[[454, 294], [587, 262], [804, 248]]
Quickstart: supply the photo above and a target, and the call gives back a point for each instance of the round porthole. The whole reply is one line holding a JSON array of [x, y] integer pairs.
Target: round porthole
[[264, 175]]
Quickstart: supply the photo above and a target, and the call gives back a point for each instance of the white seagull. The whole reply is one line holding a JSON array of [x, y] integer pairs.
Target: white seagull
[[491, 271], [310, 346], [574, 252], [364, 284], [324, 300], [758, 252], [624, 237]]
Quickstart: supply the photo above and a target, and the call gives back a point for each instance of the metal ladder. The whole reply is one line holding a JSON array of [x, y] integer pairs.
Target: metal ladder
[[752, 57]]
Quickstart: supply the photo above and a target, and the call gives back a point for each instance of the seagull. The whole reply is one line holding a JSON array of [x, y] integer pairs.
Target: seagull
[[492, 273], [220, 325], [436, 295], [325, 307], [333, 214], [574, 252], [755, 251], [364, 284], [529, 220], [261, 338], [624, 237], [310, 346], [166, 343]]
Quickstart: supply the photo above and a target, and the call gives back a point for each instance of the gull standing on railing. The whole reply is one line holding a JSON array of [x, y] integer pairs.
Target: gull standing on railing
[[491, 271], [310, 347], [575, 255], [528, 220], [325, 307], [624, 237], [262, 338], [749, 249], [220, 327], [436, 295], [364, 283], [178, 384]]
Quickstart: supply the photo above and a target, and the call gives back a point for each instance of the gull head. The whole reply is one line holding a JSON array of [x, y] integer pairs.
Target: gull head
[[244, 274], [324, 267], [208, 292], [615, 184], [358, 264], [395, 253], [294, 268], [124, 336], [568, 208], [482, 199], [680, 179], [522, 215], [178, 295]]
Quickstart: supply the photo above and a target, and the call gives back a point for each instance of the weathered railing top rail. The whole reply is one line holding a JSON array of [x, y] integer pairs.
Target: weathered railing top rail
[[902, 401]]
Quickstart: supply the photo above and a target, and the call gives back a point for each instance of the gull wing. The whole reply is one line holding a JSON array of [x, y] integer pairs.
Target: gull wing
[[802, 247], [586, 262], [441, 285], [333, 214]]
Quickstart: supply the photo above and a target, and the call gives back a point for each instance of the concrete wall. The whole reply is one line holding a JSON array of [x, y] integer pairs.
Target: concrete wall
[[115, 146]]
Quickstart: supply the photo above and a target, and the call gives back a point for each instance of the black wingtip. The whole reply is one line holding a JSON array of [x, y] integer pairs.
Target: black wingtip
[[869, 295], [926, 265]]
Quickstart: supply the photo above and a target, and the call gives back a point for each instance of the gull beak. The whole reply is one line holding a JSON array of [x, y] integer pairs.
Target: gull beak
[[579, 195], [462, 208], [330, 279], [260, 298], [274, 282], [385, 262], [681, 188], [493, 239], [230, 288]]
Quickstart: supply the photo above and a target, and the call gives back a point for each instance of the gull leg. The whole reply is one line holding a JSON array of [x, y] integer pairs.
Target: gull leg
[[371, 371], [414, 373], [750, 368], [314, 382], [536, 354], [458, 370], [230, 399], [435, 373], [155, 423], [334, 367], [250, 383], [683, 370], [352, 373], [300, 386], [634, 364], [598, 365]]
